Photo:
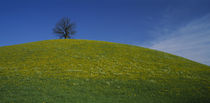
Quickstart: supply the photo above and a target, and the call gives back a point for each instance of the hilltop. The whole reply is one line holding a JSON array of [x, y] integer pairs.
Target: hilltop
[[85, 71]]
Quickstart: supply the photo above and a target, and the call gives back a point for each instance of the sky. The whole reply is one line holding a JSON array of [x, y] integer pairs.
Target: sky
[[179, 27]]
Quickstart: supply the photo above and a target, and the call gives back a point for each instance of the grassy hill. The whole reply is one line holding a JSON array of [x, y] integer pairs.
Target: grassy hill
[[84, 71]]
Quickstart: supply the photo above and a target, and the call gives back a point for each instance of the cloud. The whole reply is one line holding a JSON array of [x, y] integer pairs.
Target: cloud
[[191, 40]]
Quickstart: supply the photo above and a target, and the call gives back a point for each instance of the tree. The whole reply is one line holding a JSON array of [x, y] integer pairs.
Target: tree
[[64, 28]]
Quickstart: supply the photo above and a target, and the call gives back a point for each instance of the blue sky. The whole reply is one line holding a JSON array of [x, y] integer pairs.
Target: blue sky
[[180, 27]]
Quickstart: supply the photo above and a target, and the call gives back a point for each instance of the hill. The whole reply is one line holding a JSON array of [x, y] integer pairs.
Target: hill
[[84, 71]]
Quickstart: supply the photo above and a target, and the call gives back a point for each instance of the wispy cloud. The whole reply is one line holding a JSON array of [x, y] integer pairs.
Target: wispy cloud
[[191, 40]]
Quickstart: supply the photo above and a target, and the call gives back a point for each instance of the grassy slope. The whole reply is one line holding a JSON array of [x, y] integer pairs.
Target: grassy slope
[[82, 71]]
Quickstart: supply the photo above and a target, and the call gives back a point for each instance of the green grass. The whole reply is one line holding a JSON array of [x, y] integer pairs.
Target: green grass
[[84, 71]]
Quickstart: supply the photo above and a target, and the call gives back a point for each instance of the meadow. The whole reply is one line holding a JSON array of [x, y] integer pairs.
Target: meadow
[[86, 71]]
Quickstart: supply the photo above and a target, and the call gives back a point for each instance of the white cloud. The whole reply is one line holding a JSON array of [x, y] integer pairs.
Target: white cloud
[[191, 41]]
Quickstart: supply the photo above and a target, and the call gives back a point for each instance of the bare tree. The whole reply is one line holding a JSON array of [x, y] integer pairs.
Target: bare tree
[[65, 28]]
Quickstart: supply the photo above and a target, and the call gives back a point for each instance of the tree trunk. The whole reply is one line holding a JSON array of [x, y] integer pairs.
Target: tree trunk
[[65, 37]]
